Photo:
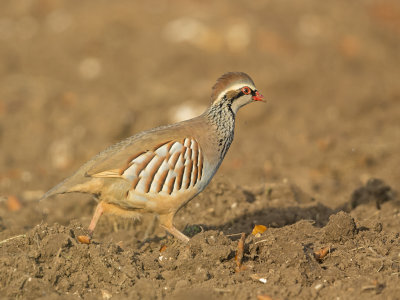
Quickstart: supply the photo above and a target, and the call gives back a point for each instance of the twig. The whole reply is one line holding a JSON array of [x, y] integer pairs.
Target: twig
[[373, 251], [55, 263], [233, 234], [261, 241], [12, 238], [375, 258], [37, 240], [380, 268], [357, 248], [239, 253], [395, 273], [368, 287]]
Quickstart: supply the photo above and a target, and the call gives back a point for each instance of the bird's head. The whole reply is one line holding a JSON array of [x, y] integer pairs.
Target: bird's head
[[235, 89]]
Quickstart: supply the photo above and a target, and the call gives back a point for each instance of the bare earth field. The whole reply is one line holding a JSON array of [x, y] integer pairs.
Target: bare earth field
[[318, 165]]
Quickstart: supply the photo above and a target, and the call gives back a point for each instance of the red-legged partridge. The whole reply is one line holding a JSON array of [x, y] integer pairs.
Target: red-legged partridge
[[160, 170]]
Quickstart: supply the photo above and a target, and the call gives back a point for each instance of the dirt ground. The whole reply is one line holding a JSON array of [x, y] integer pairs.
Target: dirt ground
[[318, 165]]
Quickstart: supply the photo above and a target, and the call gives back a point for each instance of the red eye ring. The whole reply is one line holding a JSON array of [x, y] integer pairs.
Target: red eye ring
[[246, 90]]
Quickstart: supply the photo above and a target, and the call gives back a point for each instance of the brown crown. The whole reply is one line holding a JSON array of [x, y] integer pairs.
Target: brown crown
[[229, 79]]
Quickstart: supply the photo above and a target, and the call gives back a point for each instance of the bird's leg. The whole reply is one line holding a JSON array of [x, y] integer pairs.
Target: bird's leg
[[166, 223], [97, 213]]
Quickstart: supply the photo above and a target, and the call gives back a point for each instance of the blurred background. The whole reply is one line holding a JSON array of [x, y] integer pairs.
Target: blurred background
[[77, 76]]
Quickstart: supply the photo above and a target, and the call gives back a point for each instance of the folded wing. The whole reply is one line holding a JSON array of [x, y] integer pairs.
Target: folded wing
[[172, 166]]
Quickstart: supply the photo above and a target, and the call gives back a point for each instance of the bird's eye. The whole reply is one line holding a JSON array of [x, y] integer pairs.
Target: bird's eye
[[246, 90]]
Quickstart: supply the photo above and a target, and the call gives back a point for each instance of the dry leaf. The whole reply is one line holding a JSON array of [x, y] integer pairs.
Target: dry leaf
[[239, 253], [163, 248], [13, 203], [321, 253], [258, 229], [84, 239]]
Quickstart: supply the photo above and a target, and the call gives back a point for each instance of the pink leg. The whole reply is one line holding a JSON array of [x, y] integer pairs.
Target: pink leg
[[97, 214], [166, 223]]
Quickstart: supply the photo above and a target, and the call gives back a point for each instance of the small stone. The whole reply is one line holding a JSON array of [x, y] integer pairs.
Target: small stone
[[181, 284], [106, 294]]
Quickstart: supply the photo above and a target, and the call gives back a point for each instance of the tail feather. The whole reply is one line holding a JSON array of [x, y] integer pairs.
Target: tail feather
[[76, 182]]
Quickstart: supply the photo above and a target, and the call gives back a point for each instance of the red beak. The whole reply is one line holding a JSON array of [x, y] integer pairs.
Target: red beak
[[258, 97]]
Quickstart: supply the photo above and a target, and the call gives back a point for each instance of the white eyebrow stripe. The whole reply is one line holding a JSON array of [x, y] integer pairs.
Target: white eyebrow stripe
[[235, 87]]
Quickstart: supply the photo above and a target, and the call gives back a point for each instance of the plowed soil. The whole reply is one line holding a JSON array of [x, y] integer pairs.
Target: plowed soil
[[317, 165]]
